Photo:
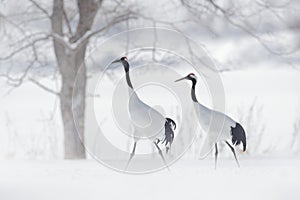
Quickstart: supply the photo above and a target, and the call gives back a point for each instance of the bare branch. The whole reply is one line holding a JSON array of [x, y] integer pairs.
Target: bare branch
[[60, 39], [248, 31], [44, 87], [67, 22], [16, 82], [115, 21], [217, 7], [230, 14], [40, 8], [87, 12], [24, 47]]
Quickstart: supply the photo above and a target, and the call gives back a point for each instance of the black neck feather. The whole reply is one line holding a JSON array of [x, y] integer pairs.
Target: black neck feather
[[193, 93], [128, 80], [126, 68]]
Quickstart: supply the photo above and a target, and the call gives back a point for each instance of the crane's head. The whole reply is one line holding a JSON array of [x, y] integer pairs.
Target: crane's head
[[120, 60], [191, 76], [124, 62]]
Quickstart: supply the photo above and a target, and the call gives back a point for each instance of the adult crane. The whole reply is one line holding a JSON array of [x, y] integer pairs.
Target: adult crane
[[231, 130], [147, 122]]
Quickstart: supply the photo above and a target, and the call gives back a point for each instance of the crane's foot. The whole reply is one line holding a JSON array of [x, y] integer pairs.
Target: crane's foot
[[216, 155], [233, 151], [131, 156], [162, 156]]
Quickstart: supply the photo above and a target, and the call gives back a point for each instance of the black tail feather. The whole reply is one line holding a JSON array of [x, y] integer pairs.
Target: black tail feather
[[169, 132], [170, 121], [238, 136]]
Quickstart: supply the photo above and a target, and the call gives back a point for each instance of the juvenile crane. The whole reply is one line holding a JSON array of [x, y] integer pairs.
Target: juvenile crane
[[147, 122], [231, 130]]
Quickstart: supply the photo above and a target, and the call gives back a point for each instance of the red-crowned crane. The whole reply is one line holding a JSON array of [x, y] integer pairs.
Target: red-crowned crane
[[231, 130], [147, 122]]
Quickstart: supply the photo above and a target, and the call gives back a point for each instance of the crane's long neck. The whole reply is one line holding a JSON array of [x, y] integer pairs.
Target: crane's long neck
[[193, 91], [126, 67], [132, 94], [128, 80]]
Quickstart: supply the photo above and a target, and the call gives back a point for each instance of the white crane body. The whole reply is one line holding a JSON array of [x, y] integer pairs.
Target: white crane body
[[147, 122], [218, 126]]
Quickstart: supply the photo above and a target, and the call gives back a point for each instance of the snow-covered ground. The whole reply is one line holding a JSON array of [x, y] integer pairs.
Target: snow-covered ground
[[260, 178], [23, 136], [262, 93]]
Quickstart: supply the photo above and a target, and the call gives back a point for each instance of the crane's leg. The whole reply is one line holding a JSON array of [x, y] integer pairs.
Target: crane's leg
[[168, 147], [131, 155], [161, 155], [233, 151], [216, 155], [167, 150]]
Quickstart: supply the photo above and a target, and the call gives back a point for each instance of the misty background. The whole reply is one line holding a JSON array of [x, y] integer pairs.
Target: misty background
[[46, 45], [254, 44]]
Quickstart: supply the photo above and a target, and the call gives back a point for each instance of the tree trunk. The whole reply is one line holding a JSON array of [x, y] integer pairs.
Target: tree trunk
[[72, 102], [72, 66]]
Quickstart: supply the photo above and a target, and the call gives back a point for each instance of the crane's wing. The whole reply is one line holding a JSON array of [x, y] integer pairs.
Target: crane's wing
[[145, 118], [219, 129]]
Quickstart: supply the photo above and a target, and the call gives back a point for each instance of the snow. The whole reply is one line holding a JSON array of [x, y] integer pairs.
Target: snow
[[31, 126], [260, 178], [39, 136]]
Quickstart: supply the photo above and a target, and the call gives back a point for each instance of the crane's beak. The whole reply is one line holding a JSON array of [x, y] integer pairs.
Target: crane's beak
[[116, 61], [181, 79]]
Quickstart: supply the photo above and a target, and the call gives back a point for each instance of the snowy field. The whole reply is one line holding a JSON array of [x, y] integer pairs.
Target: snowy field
[[268, 172], [255, 47], [260, 178]]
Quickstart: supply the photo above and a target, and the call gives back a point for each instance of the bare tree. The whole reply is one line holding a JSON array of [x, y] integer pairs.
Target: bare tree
[[267, 22], [67, 29]]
